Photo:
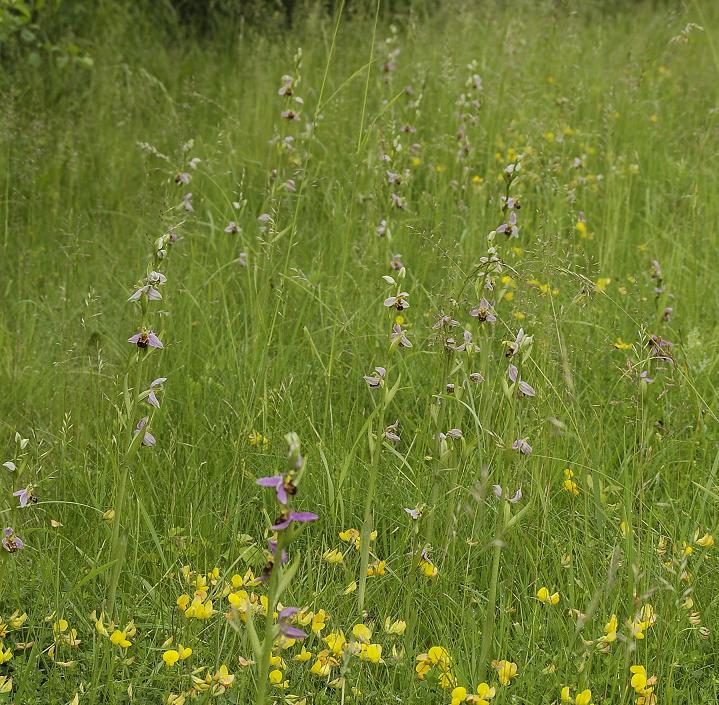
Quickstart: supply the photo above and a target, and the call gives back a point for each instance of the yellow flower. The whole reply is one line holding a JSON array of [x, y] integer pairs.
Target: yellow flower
[[277, 661], [484, 694], [610, 630], [376, 568], [396, 628], [506, 671], [333, 556], [439, 656], [199, 609], [171, 657], [706, 541], [5, 684], [423, 666], [581, 227], [323, 665], [303, 656], [246, 580], [566, 695], [569, 484], [643, 622], [335, 641], [17, 619], [183, 601], [584, 698], [119, 638], [544, 596], [477, 180], [240, 600], [223, 679], [371, 653], [352, 587], [639, 678], [256, 439], [429, 570], [5, 654], [446, 680], [276, 677], [602, 283], [459, 695], [619, 344], [319, 620], [362, 633], [353, 536]]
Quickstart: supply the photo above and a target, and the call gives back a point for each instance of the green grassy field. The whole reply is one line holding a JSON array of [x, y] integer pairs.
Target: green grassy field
[[418, 138]]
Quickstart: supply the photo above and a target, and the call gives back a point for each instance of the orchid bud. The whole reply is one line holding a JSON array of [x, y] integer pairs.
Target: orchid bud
[[294, 457]]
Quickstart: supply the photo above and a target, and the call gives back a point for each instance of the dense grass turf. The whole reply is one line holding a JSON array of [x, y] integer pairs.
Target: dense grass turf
[[405, 134]]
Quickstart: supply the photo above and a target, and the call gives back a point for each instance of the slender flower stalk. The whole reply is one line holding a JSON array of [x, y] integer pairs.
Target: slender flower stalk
[[275, 573], [490, 614], [378, 436], [137, 432]]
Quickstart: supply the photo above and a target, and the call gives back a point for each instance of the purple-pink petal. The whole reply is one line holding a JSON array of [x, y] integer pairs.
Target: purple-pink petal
[[23, 495], [281, 493], [527, 389], [303, 516], [293, 632], [153, 341]]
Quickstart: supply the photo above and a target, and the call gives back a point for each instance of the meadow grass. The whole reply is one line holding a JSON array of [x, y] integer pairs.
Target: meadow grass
[[608, 117]]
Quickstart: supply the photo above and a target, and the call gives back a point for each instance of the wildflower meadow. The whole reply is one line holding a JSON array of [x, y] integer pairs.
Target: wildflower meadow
[[359, 352]]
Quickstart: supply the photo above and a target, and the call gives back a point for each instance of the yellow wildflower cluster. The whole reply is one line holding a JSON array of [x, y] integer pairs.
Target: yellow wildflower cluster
[[118, 637], [569, 483], [507, 671], [635, 627], [643, 686], [353, 537], [545, 598], [583, 697], [172, 656], [257, 439], [13, 623], [436, 659], [546, 288], [482, 697]]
